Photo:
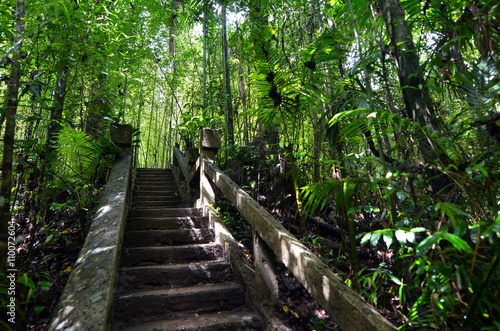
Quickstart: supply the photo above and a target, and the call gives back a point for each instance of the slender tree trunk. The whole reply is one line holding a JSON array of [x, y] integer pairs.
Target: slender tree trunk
[[150, 124], [227, 80], [241, 86], [205, 40], [419, 106], [235, 109], [139, 116], [56, 110], [10, 129], [210, 84]]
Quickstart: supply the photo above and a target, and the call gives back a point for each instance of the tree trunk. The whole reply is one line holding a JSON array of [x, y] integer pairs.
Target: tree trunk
[[419, 106], [241, 86], [205, 40], [56, 110], [10, 129], [227, 80]]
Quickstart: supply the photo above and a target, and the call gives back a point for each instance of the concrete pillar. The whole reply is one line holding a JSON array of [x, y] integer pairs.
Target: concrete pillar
[[121, 136], [266, 282], [210, 142]]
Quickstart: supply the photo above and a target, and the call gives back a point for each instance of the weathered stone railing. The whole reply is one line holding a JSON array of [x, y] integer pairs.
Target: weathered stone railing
[[86, 303], [271, 240], [185, 169]]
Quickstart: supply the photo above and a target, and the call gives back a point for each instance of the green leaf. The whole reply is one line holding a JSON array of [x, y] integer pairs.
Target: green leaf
[[401, 236], [66, 14], [375, 238], [45, 284], [388, 238], [395, 279], [26, 280], [483, 170], [402, 195], [366, 238], [451, 210], [49, 239], [457, 242], [427, 243], [39, 309]]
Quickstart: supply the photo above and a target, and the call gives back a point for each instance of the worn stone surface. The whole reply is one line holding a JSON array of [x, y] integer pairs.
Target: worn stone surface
[[149, 256], [88, 296], [141, 305], [245, 273], [344, 305], [221, 321], [211, 138], [266, 281], [186, 274], [153, 238], [121, 136], [171, 223]]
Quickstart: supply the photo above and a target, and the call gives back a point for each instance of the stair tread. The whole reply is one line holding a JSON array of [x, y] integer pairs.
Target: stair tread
[[163, 212], [172, 223], [169, 218], [187, 210], [235, 320], [203, 264], [146, 305], [207, 246], [181, 291], [183, 231], [153, 238], [163, 255]]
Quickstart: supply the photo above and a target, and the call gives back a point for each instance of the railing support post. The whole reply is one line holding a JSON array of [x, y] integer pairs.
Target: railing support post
[[121, 136], [210, 142], [266, 281]]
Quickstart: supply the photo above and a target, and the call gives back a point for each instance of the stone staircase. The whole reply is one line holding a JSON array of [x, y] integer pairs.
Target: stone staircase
[[172, 275]]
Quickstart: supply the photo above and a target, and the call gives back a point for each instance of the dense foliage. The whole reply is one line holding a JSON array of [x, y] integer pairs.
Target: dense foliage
[[386, 112]]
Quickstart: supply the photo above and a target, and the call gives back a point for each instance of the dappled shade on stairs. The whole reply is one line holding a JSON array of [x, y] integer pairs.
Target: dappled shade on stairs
[[172, 274]]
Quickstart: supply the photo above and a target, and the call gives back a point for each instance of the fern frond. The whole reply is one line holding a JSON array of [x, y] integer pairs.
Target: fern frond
[[316, 195]]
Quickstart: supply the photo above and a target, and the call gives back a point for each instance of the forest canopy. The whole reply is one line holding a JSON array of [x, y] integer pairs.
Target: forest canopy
[[380, 117]]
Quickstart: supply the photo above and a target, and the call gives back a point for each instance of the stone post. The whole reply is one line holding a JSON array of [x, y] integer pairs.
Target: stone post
[[210, 142], [121, 136], [266, 282]]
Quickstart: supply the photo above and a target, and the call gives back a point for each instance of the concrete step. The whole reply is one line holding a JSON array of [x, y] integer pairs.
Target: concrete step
[[222, 321], [159, 175], [151, 238], [164, 212], [164, 177], [170, 186], [167, 223], [155, 175], [188, 274], [154, 256], [140, 305], [156, 197], [171, 191], [157, 204], [155, 183], [153, 170]]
